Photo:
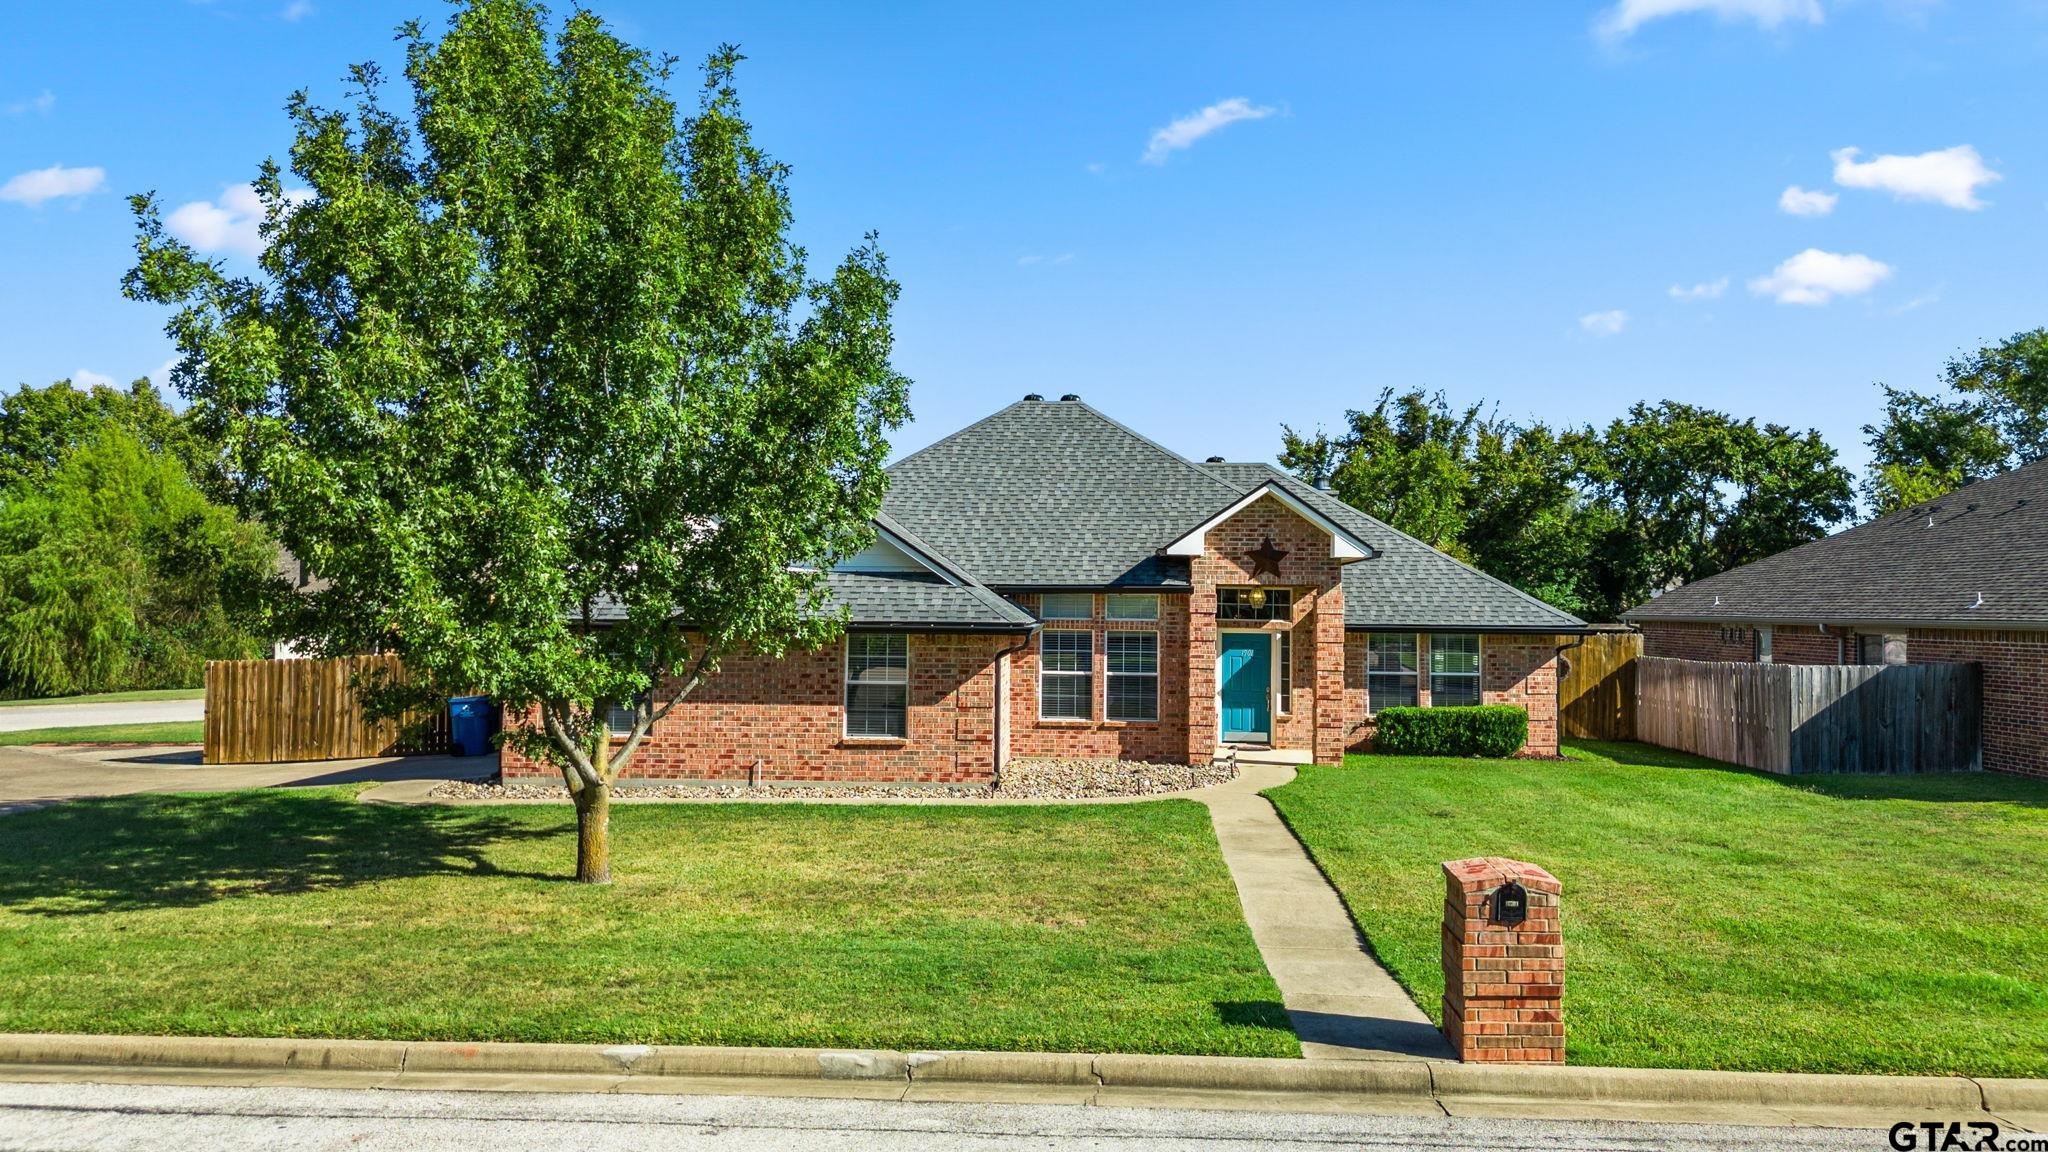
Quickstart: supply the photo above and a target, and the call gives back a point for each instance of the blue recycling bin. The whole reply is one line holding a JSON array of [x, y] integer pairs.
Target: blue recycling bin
[[469, 724]]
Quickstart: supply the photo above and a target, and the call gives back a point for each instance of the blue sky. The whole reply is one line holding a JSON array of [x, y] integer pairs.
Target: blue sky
[[1212, 219]]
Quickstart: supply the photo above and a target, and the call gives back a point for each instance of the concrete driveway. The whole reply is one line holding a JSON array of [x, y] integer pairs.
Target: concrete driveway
[[32, 777], [18, 718]]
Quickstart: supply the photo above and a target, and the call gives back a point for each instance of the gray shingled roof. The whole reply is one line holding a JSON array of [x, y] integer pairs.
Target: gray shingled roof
[[1052, 494], [906, 600], [1925, 565], [1410, 585], [1048, 494], [900, 600]]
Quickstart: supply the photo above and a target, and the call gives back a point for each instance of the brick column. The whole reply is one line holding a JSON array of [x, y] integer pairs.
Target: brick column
[[1329, 675], [1503, 986]]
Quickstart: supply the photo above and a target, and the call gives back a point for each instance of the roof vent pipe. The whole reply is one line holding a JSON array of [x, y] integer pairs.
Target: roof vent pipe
[[1980, 601], [1071, 397], [1322, 483], [1213, 460], [1033, 396]]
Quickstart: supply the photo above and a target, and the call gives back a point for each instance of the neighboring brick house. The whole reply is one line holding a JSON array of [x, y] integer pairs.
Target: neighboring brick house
[[1047, 582], [1958, 580]]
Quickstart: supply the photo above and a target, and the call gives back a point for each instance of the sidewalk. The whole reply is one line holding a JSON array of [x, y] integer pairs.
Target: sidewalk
[[1343, 1003]]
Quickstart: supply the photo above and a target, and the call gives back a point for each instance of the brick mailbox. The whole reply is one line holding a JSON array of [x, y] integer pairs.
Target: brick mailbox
[[1503, 955]]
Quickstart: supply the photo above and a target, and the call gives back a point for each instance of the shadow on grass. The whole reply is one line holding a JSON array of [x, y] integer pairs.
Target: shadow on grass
[[1254, 1014], [1929, 787], [129, 853]]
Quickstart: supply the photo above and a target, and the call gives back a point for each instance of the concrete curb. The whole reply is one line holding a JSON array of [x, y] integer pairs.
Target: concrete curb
[[1431, 1082]]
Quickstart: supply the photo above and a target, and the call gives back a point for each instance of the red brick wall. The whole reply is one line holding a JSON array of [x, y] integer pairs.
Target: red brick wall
[[1790, 643], [1316, 721], [2015, 673], [1164, 741], [788, 714], [1689, 641], [1518, 670]]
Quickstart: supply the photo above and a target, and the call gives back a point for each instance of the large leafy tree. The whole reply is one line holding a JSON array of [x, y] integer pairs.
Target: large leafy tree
[[1593, 521], [1406, 460], [1693, 492], [39, 427], [1991, 415], [116, 571], [535, 378], [1530, 524]]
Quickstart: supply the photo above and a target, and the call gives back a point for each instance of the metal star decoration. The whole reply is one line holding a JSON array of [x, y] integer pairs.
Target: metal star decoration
[[1266, 558]]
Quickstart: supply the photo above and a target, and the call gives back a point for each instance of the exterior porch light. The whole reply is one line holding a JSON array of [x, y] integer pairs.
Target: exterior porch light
[[1256, 597]]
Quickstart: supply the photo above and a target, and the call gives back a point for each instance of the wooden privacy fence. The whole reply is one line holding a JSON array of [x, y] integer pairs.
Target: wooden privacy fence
[[1801, 718], [268, 711], [1596, 687]]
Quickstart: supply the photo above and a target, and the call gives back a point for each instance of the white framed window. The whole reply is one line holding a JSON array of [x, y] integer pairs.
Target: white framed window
[[1391, 674], [1453, 669], [1284, 672], [1066, 606], [1066, 675], [1130, 606], [1131, 660], [878, 684]]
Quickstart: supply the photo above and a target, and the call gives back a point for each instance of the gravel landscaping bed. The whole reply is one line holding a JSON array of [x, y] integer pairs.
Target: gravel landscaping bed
[[1036, 779]]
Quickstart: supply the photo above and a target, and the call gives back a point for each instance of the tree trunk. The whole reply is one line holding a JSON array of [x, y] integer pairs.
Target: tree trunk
[[594, 834]]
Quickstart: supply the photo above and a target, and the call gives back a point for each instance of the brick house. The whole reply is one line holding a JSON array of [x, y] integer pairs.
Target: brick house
[[1047, 582], [1958, 580]]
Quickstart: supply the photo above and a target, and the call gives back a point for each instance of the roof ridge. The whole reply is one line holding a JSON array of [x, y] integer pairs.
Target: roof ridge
[[1383, 525]]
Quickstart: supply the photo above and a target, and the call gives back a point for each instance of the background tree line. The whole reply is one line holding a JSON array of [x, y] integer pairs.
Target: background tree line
[[119, 567], [1596, 519]]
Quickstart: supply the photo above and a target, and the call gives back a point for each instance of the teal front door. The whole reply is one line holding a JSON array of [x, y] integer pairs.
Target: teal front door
[[1244, 672]]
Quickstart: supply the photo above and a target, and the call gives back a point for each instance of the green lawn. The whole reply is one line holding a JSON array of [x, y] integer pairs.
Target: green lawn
[[113, 697], [306, 913], [166, 732], [1718, 918]]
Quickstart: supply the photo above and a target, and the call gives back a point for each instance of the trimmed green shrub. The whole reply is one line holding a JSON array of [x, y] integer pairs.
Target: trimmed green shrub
[[1475, 730]]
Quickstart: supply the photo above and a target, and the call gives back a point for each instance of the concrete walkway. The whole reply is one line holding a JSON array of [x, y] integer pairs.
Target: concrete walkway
[[1344, 1005]]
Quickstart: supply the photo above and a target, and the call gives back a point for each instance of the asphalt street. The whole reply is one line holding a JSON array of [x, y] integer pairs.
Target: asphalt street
[[152, 1118], [21, 717]]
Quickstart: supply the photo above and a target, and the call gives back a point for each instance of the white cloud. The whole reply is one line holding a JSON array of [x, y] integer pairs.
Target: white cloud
[[1183, 133], [1604, 323], [297, 10], [1797, 201], [1705, 290], [87, 378], [1950, 176], [1816, 277], [1622, 20], [229, 225], [1028, 261], [52, 183], [40, 104]]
